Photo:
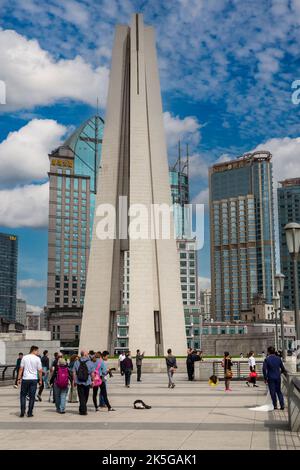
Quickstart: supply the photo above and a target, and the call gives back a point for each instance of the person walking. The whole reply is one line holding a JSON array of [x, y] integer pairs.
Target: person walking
[[121, 365], [61, 385], [18, 364], [57, 356], [252, 369], [128, 368], [139, 360], [227, 365], [171, 367], [104, 373], [46, 368], [272, 369], [73, 397], [30, 373], [82, 379], [190, 364], [96, 378]]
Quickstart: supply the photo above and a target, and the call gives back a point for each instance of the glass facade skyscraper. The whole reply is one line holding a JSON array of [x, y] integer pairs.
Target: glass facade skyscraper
[[288, 195], [8, 275], [73, 183], [242, 234]]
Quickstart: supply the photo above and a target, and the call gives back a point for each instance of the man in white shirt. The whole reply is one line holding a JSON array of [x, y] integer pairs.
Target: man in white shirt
[[30, 373], [121, 359]]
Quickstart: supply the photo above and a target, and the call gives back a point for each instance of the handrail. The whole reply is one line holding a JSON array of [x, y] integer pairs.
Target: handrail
[[8, 372]]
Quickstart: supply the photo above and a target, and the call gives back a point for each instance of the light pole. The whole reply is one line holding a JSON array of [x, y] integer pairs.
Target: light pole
[[279, 284], [292, 232], [276, 303]]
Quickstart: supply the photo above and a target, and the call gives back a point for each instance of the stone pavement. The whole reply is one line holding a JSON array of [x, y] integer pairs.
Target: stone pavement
[[191, 416]]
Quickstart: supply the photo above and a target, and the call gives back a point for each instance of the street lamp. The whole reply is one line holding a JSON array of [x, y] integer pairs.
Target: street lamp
[[279, 286], [276, 305], [292, 232]]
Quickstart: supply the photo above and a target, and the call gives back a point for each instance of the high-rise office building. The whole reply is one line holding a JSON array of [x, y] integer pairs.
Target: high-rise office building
[[73, 184], [8, 275], [288, 211], [21, 311], [242, 234]]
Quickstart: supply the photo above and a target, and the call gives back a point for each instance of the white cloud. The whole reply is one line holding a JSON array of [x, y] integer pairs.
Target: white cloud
[[31, 283], [202, 197], [25, 206], [286, 156], [186, 129], [24, 153], [204, 282], [34, 308], [34, 77]]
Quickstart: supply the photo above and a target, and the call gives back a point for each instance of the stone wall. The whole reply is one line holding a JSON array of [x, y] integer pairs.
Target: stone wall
[[215, 345], [9, 349]]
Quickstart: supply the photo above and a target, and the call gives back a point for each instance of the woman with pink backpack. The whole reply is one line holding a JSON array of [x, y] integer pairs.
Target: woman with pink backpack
[[96, 378], [61, 385]]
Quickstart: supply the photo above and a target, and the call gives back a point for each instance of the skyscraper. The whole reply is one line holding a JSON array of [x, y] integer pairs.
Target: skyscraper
[[8, 275], [288, 211], [73, 185], [242, 234], [134, 165]]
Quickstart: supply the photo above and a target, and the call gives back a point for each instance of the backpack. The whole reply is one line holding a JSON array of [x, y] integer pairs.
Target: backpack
[[62, 377], [97, 379], [82, 372]]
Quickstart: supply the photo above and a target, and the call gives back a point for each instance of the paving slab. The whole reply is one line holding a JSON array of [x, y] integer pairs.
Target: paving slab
[[191, 416]]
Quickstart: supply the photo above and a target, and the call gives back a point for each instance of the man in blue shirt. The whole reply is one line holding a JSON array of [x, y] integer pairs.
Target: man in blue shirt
[[82, 379], [272, 369]]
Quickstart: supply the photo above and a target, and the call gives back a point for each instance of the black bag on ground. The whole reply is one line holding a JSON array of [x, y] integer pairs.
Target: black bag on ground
[[140, 405]]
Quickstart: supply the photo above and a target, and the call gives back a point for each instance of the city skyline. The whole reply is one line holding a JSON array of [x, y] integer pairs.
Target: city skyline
[[208, 100]]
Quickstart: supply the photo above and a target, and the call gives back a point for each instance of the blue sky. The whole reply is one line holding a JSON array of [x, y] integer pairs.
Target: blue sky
[[226, 72]]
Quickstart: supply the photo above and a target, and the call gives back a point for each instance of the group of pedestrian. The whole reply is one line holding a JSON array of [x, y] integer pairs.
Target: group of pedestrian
[[272, 369], [126, 366], [76, 378]]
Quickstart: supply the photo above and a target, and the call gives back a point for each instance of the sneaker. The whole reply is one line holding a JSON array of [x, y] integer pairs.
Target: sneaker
[[255, 385], [173, 386], [22, 415], [247, 383], [29, 415], [275, 408], [282, 408], [97, 409], [62, 412], [39, 398], [111, 409]]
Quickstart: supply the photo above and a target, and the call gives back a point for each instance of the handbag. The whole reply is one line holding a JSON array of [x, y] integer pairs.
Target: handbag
[[253, 375]]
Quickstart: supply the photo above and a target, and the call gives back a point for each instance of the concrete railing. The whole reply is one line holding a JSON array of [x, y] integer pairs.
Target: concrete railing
[[7, 374], [291, 388], [240, 369]]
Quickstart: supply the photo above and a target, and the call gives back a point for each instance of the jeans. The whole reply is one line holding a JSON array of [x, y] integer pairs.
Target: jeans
[[60, 398], [275, 391], [28, 387], [46, 377], [73, 398], [83, 395], [170, 376], [103, 395], [139, 372], [190, 370], [127, 376], [95, 393]]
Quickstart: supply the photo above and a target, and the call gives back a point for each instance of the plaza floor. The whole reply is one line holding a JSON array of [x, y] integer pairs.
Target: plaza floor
[[191, 416]]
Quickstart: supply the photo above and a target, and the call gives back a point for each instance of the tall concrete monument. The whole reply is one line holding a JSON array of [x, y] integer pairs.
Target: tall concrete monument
[[134, 165]]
